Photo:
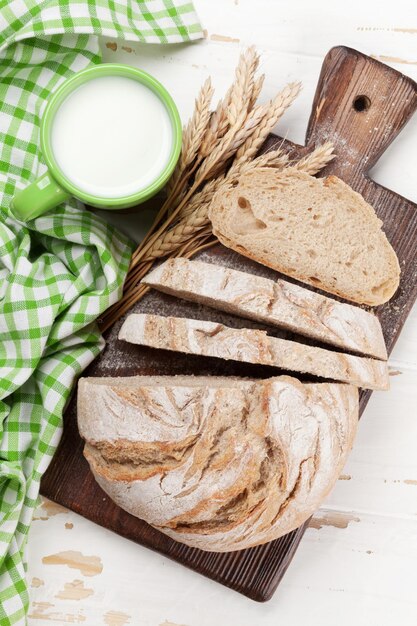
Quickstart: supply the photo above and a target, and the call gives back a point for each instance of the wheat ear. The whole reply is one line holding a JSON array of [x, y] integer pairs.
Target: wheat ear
[[273, 111], [242, 89], [193, 134], [317, 160]]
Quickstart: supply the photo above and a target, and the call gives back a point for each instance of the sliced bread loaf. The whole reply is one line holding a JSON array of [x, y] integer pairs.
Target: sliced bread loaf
[[218, 464], [252, 346], [278, 303], [317, 230]]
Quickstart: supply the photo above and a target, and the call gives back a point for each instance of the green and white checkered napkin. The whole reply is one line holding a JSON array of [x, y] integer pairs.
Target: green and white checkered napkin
[[62, 270]]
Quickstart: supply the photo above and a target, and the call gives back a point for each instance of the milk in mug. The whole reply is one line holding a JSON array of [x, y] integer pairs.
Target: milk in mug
[[112, 136]]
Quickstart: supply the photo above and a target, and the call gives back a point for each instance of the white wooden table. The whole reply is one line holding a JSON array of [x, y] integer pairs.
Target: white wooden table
[[357, 562]]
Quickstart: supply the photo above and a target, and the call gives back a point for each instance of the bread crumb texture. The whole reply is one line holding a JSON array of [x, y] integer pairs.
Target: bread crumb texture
[[319, 231]]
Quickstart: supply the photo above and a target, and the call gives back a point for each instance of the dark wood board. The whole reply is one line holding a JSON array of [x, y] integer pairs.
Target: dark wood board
[[360, 105]]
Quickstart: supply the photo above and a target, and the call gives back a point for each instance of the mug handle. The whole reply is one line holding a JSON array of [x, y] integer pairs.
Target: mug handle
[[37, 198]]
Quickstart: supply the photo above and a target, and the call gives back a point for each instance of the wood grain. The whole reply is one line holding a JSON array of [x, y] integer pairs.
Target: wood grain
[[387, 99]]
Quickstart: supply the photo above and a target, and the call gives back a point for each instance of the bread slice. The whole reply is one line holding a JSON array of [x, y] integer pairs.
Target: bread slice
[[317, 230], [278, 303], [252, 346], [218, 464]]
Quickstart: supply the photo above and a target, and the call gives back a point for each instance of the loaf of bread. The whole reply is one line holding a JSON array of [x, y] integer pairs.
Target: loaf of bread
[[278, 303], [213, 469], [252, 346], [317, 230]]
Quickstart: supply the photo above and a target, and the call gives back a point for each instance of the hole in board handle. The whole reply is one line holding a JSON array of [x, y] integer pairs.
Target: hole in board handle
[[361, 103]]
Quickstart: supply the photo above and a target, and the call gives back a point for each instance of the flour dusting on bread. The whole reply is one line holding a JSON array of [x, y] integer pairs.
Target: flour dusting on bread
[[217, 464]]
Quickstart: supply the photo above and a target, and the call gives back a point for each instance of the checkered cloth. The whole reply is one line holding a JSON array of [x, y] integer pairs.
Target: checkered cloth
[[59, 272]]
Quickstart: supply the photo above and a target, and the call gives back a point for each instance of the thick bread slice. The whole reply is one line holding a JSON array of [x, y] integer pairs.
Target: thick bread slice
[[279, 303], [213, 469], [317, 230], [252, 346]]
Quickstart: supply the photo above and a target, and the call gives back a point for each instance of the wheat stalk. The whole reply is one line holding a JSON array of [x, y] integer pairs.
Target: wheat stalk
[[207, 169], [218, 148], [254, 118], [229, 110], [259, 122], [180, 234]]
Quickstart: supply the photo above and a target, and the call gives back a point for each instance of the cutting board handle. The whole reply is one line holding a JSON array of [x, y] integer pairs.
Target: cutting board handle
[[361, 105]]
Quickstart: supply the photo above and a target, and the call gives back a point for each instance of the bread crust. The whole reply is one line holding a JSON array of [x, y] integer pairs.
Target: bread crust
[[278, 303], [217, 470], [204, 338]]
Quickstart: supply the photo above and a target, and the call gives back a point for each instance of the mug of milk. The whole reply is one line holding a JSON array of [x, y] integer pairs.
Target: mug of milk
[[110, 136]]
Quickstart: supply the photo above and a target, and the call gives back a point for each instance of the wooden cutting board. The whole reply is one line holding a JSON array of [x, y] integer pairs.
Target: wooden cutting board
[[360, 105]]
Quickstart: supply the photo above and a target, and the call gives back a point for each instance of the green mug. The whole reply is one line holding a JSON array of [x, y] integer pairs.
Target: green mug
[[160, 117]]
